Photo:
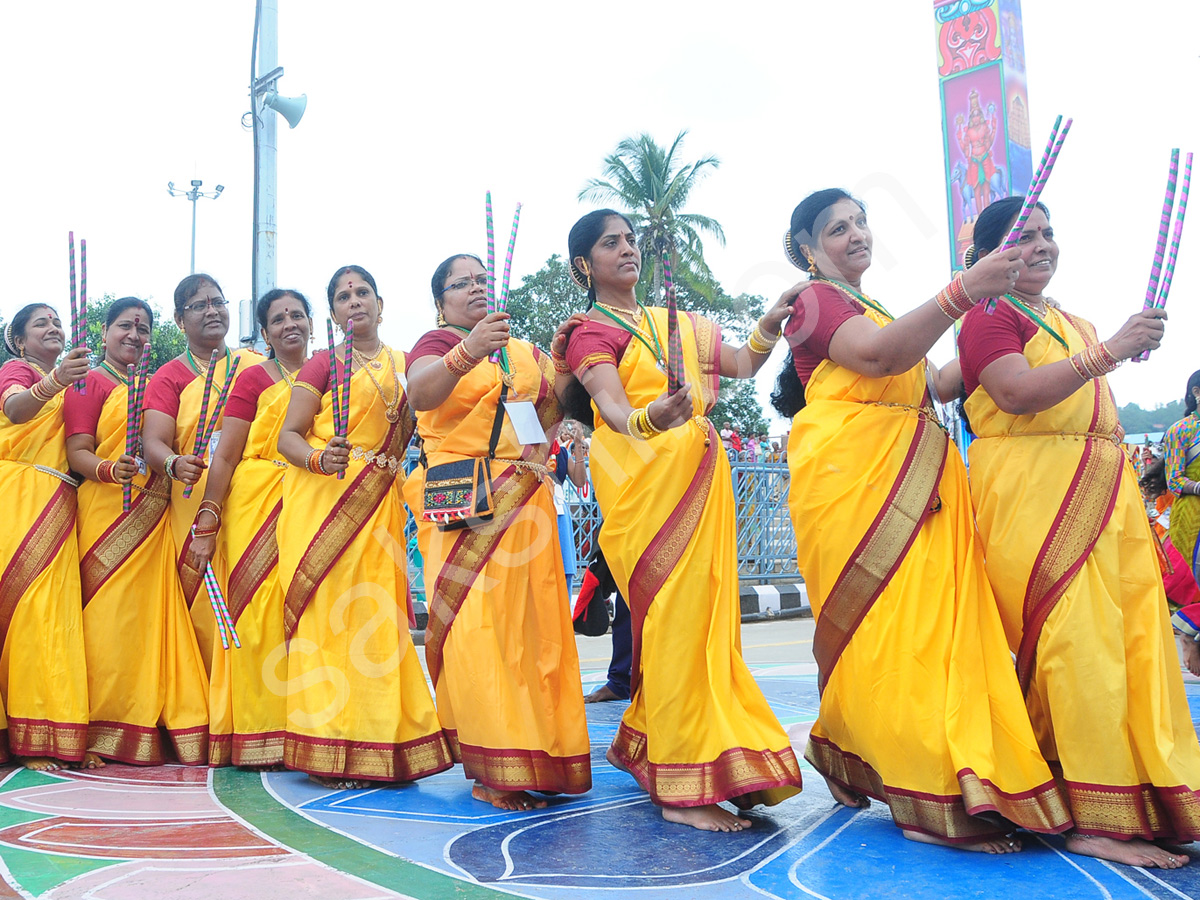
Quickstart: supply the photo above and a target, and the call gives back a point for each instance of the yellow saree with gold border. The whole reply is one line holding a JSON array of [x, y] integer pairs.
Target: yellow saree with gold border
[[1070, 555], [42, 677], [919, 704], [248, 699], [145, 674], [698, 729], [500, 646], [358, 705], [183, 509]]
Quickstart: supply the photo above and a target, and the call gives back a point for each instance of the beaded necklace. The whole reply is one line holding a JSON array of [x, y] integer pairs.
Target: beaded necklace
[[121, 379], [1038, 319], [634, 330], [860, 297], [285, 374]]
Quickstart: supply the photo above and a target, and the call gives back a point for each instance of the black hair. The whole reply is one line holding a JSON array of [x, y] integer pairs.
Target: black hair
[[366, 276], [437, 284], [262, 308], [190, 287], [993, 224], [16, 328], [1154, 478], [1189, 399], [583, 237], [808, 218], [119, 306]]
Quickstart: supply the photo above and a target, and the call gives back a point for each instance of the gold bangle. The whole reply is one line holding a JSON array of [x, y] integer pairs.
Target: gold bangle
[[631, 425], [760, 342], [650, 427]]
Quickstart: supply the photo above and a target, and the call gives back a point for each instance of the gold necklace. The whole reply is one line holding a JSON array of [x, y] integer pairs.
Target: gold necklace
[[632, 315], [391, 408], [34, 366], [372, 361]]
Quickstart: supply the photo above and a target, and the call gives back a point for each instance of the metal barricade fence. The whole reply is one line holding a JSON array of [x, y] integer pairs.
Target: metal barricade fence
[[766, 543]]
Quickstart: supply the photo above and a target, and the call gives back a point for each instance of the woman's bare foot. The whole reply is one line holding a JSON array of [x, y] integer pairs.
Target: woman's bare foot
[[40, 763], [341, 784], [847, 797], [600, 694], [90, 761], [514, 800], [1189, 651], [1136, 852], [706, 818], [999, 845], [615, 761]]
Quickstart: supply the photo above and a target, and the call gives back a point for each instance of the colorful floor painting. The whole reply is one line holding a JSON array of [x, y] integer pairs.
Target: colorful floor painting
[[122, 833]]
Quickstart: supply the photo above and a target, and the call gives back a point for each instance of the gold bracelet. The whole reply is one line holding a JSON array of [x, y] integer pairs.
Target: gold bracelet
[[169, 466], [760, 342], [649, 426], [631, 425], [560, 363]]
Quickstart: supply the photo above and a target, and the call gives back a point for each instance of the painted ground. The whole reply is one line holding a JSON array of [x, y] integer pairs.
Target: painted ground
[[123, 833]]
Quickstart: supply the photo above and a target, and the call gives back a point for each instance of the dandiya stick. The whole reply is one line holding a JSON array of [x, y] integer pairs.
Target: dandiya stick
[[220, 609], [1169, 273], [208, 380], [333, 379], [1035, 188], [491, 256], [130, 425], [344, 430], [674, 343], [502, 300], [209, 425], [74, 296], [81, 337], [1164, 228]]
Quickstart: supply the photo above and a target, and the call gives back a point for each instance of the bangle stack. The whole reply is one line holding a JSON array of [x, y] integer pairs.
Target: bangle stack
[[314, 462], [46, 389], [459, 361], [1094, 361], [639, 425], [214, 510], [560, 363], [954, 300], [104, 471], [760, 342], [169, 466]]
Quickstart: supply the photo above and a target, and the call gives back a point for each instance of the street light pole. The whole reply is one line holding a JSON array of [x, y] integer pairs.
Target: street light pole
[[194, 195]]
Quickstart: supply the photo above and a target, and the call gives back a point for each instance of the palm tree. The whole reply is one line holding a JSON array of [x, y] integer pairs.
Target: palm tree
[[654, 186]]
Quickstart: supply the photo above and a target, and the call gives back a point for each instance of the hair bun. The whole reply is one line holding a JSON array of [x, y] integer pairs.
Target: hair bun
[[790, 250], [969, 256]]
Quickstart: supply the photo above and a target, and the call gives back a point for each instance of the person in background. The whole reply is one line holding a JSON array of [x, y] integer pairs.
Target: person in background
[[569, 454]]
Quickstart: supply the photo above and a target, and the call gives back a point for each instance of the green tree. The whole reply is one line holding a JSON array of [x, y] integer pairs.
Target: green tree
[[1135, 419], [738, 403], [543, 301], [653, 184]]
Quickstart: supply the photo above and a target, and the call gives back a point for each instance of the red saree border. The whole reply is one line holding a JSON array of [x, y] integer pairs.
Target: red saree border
[[951, 817], [371, 761], [517, 769], [256, 563], [752, 776], [666, 548], [468, 555], [118, 542], [258, 749], [343, 523], [141, 745], [43, 737], [1123, 812], [882, 549], [36, 552]]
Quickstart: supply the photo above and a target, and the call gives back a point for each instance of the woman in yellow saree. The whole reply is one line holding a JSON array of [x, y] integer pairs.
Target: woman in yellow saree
[[1070, 555], [698, 730], [145, 674], [358, 708], [42, 678], [919, 705], [174, 401], [242, 503], [500, 646]]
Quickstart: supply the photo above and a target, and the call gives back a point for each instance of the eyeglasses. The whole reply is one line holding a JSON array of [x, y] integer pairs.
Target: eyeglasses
[[201, 305], [463, 283]]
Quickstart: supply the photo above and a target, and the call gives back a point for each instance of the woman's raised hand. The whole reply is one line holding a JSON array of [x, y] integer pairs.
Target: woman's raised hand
[[74, 366], [772, 320], [993, 275], [558, 343], [671, 410], [1142, 332], [490, 333]]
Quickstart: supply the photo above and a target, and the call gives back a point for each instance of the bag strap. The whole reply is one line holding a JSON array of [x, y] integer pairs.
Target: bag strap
[[498, 422]]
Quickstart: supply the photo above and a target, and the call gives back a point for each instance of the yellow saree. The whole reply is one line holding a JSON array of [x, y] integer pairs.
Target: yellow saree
[[1070, 556], [500, 645], [249, 703], [145, 674], [357, 702], [698, 729], [43, 681], [919, 705]]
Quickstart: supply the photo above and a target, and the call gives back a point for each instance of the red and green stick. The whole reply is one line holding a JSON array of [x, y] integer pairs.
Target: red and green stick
[[674, 343], [344, 428], [134, 401], [220, 609], [491, 256], [81, 333], [207, 425]]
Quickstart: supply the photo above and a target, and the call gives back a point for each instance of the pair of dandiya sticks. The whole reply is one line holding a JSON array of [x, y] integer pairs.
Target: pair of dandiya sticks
[[204, 432], [1161, 273], [78, 304], [340, 389], [498, 303], [135, 410]]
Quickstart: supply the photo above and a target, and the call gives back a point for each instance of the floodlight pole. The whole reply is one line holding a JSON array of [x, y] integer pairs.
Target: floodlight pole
[[194, 195]]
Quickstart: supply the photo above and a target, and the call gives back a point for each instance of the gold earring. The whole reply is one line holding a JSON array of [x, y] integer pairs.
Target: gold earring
[[589, 280], [812, 265], [441, 320], [379, 319]]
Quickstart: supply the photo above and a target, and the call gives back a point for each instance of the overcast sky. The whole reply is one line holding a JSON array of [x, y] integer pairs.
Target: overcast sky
[[414, 110]]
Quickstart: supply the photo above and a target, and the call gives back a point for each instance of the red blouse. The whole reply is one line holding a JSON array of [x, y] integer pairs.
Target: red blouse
[[820, 310], [987, 336]]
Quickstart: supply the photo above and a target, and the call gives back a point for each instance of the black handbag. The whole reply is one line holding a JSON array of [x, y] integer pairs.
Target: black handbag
[[459, 493]]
